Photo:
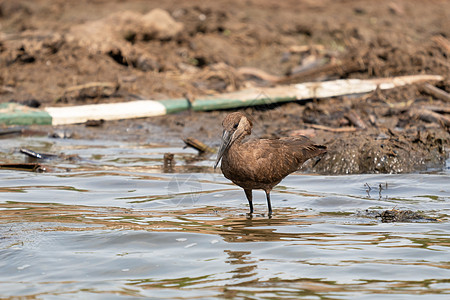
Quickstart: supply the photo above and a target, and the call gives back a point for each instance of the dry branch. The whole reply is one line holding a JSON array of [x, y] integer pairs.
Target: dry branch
[[435, 92], [332, 129], [442, 42], [430, 116], [333, 68], [90, 90], [199, 146], [258, 73], [356, 120]]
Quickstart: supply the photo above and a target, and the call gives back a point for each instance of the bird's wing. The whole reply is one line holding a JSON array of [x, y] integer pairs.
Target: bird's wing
[[302, 148], [270, 160]]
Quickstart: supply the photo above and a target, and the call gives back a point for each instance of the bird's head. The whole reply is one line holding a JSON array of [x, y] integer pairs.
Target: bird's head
[[235, 127]]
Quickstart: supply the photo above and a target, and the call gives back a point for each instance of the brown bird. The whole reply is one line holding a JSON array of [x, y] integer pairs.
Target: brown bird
[[260, 163]]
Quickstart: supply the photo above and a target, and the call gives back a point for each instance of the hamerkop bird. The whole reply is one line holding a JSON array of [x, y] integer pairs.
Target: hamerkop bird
[[260, 163]]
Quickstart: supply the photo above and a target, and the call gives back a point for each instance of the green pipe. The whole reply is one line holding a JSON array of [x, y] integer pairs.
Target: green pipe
[[15, 114], [207, 104], [175, 105]]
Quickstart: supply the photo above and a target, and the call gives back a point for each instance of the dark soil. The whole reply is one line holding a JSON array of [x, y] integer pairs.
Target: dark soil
[[49, 46]]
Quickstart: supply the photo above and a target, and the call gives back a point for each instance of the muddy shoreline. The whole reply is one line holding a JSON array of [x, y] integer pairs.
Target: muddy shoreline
[[49, 47]]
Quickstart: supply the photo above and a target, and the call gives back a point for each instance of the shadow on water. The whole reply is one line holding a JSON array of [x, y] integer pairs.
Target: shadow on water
[[116, 225]]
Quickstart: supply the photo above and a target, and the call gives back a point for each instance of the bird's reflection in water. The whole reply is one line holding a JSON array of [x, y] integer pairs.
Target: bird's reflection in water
[[245, 266]]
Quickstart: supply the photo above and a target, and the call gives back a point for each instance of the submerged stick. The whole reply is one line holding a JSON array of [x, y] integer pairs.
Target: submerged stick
[[199, 146], [33, 154], [33, 167]]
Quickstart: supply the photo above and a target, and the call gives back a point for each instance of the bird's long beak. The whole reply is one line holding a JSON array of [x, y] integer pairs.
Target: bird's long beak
[[227, 138]]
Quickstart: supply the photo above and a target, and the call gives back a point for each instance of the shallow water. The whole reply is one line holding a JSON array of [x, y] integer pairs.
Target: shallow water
[[116, 225]]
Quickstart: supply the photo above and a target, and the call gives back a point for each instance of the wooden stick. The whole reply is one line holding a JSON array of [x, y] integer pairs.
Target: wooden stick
[[22, 131], [310, 132], [196, 144], [356, 120], [332, 129], [435, 92], [258, 73], [439, 109], [442, 42], [169, 160], [110, 85], [90, 90], [333, 68], [36, 155], [305, 48], [430, 116], [24, 167]]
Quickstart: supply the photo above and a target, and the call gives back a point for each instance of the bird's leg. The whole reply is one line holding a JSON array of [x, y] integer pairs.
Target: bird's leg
[[248, 194], [268, 202]]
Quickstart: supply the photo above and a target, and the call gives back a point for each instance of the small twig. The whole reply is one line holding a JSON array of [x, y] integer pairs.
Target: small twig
[[430, 116], [91, 85], [435, 92], [332, 68], [356, 120], [368, 189], [442, 42], [196, 144], [24, 167], [310, 132], [380, 188], [439, 109], [6, 89], [33, 154], [306, 48], [332, 129], [90, 90], [258, 73], [169, 162]]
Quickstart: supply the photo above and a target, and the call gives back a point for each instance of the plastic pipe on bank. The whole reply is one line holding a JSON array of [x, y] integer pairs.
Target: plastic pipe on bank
[[14, 114]]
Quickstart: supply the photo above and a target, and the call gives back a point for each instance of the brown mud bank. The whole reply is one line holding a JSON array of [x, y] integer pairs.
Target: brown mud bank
[[411, 145], [185, 49]]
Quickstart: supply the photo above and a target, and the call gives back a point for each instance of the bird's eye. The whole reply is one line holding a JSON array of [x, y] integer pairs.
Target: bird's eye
[[236, 125]]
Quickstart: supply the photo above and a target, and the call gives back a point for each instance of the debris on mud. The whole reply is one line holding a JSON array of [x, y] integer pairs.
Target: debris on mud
[[398, 215], [92, 90], [32, 167], [13, 132], [34, 156], [169, 162]]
